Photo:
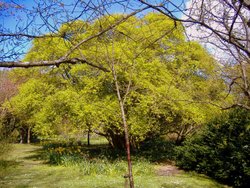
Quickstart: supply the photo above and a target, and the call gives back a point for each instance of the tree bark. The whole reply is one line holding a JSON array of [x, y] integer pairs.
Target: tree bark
[[58, 62], [21, 139], [125, 126], [88, 137], [28, 135], [21, 136], [115, 139]]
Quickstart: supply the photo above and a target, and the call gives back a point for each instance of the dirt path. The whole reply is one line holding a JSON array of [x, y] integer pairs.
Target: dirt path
[[167, 170]]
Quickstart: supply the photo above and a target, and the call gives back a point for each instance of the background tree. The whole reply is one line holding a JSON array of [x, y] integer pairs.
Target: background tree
[[26, 104], [157, 80], [8, 89]]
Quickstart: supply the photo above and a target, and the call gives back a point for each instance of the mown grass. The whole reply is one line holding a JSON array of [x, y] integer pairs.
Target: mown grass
[[28, 170]]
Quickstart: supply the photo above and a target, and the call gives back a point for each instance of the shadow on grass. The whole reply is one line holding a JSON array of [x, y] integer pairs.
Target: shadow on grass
[[4, 164], [154, 151], [157, 150], [35, 155]]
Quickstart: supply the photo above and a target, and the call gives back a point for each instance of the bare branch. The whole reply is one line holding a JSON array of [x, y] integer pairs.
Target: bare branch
[[236, 105], [231, 84], [18, 35], [224, 36], [234, 20], [12, 64], [213, 104]]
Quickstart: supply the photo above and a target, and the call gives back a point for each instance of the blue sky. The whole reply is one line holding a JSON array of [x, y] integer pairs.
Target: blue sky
[[15, 20], [19, 18]]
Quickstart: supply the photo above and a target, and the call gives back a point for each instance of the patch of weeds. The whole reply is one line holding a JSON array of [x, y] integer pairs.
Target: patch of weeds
[[105, 167], [6, 167], [5, 148]]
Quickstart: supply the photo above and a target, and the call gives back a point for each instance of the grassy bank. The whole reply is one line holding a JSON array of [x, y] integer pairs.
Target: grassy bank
[[26, 168]]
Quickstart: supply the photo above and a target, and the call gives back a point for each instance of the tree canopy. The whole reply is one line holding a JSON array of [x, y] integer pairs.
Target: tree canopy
[[166, 83]]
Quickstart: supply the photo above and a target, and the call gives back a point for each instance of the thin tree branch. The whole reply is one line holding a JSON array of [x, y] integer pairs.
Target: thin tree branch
[[232, 25], [231, 84], [234, 41], [236, 105], [216, 105]]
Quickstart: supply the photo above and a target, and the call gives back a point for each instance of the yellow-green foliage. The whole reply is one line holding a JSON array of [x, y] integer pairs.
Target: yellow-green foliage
[[166, 82]]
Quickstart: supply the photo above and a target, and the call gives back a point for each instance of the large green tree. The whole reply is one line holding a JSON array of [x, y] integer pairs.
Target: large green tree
[[165, 82]]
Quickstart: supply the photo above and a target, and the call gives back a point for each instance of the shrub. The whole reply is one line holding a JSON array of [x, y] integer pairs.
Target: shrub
[[221, 150], [4, 148]]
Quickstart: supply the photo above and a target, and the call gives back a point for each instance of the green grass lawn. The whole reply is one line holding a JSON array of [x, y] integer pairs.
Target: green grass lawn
[[24, 167]]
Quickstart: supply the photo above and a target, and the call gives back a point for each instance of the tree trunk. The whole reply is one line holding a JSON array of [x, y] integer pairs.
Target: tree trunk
[[28, 135], [125, 126], [21, 136], [88, 137], [116, 139]]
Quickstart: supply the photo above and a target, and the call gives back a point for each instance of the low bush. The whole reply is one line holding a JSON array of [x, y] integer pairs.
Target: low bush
[[220, 150], [5, 147]]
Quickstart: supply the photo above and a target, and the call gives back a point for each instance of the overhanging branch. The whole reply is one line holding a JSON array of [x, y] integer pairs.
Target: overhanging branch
[[19, 35], [12, 64]]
